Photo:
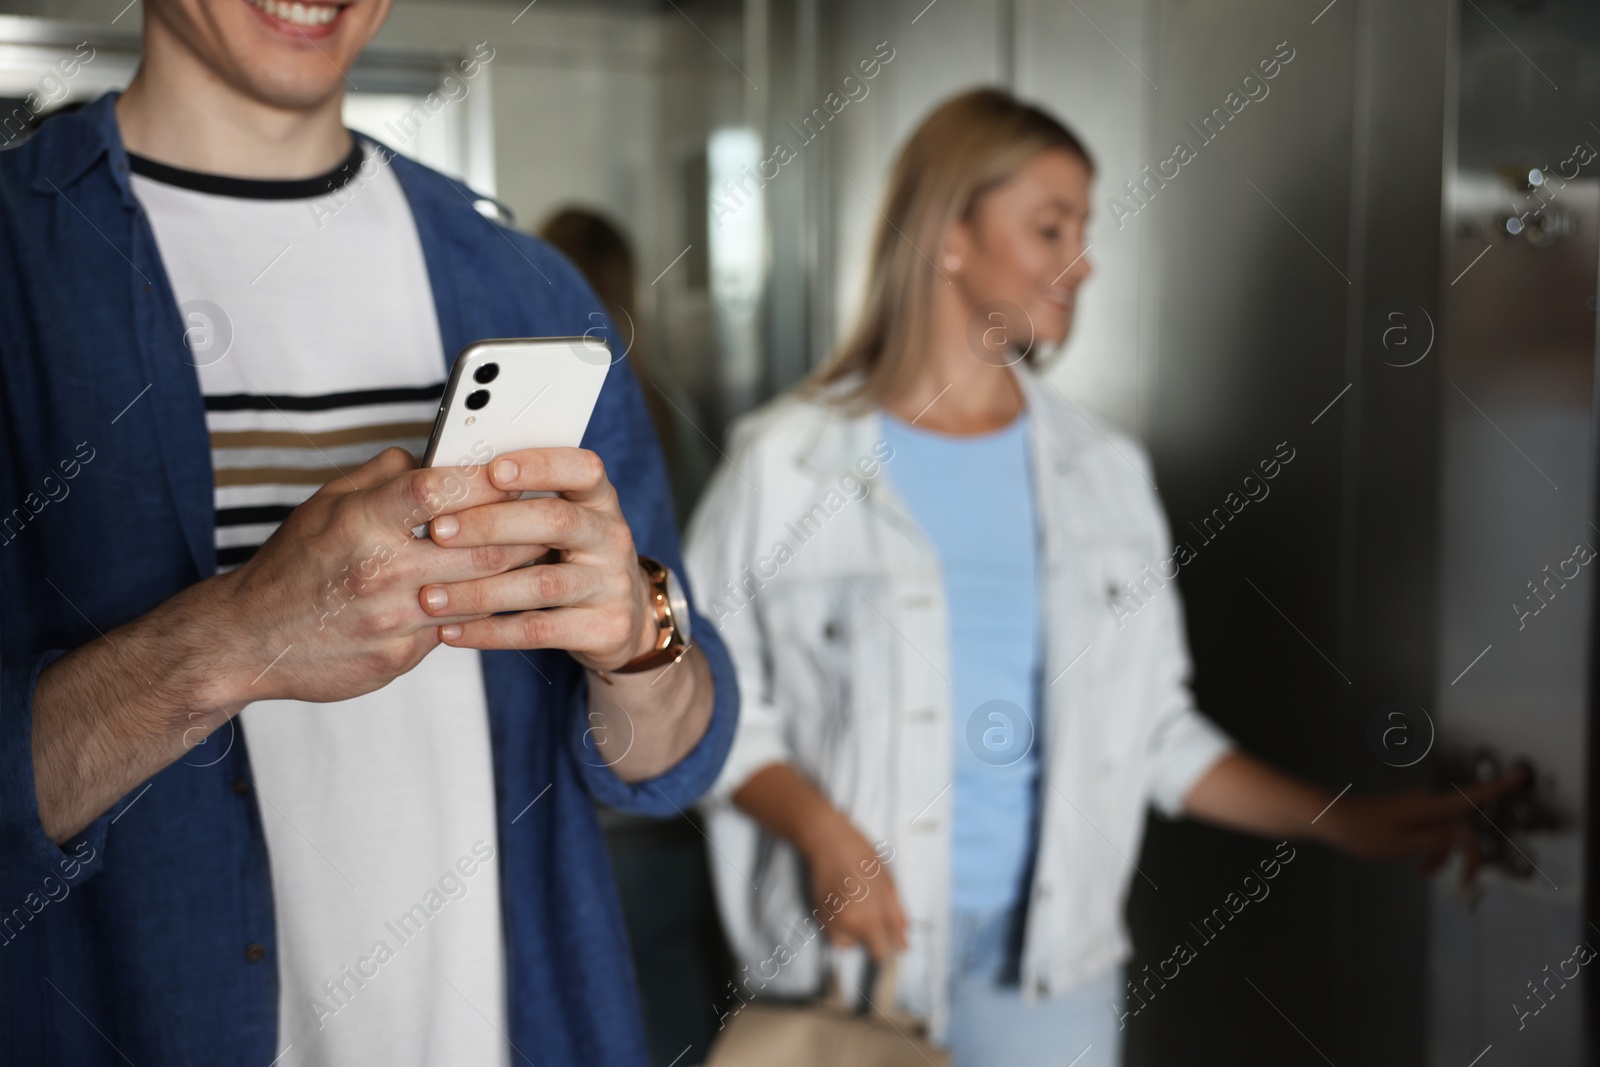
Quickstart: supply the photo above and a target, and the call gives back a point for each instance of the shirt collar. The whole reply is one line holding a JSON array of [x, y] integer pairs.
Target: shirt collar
[[78, 143], [1061, 430], [838, 435]]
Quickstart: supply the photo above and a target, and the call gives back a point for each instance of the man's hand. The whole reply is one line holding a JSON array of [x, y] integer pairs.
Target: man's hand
[[335, 589], [326, 610], [594, 602]]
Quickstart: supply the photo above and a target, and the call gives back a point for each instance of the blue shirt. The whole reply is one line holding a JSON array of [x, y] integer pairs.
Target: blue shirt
[[973, 497], [149, 937]]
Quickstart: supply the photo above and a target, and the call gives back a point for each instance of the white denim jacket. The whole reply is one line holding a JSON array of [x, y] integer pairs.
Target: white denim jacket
[[830, 598]]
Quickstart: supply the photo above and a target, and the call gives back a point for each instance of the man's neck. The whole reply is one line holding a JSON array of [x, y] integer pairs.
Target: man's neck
[[180, 112]]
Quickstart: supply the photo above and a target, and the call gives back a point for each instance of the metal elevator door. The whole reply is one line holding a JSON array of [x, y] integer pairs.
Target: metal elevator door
[[1517, 571]]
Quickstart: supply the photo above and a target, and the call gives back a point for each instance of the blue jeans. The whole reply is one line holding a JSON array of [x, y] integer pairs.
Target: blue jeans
[[990, 1023]]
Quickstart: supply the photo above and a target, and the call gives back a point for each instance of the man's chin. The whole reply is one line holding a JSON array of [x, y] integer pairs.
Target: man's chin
[[291, 90]]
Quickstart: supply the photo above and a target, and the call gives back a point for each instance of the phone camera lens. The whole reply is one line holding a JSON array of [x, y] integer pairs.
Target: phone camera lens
[[486, 373], [477, 399]]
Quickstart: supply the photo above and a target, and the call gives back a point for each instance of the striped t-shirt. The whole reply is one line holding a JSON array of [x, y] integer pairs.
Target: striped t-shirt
[[310, 320], [298, 388], [270, 452]]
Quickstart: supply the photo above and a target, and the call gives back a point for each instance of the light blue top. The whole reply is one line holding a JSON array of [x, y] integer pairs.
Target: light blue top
[[973, 497]]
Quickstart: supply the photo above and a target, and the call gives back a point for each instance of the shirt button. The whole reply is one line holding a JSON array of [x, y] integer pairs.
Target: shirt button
[[254, 952], [1041, 987], [240, 786]]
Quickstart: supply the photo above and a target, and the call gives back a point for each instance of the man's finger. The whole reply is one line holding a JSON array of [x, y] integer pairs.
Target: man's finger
[[416, 497], [576, 473], [552, 521], [519, 589], [572, 629], [442, 564]]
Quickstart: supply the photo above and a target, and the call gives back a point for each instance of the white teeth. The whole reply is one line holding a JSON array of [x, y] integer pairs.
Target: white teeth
[[297, 13]]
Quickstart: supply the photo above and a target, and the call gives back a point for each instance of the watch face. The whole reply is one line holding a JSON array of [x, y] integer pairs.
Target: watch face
[[679, 605]]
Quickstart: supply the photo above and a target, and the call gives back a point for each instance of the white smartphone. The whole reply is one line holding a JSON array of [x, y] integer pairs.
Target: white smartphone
[[505, 395]]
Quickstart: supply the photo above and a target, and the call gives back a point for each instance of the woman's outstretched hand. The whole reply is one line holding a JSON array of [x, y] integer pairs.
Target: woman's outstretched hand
[[1241, 792], [1418, 822]]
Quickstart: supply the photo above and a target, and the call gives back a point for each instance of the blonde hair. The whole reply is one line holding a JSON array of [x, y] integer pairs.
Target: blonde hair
[[967, 146]]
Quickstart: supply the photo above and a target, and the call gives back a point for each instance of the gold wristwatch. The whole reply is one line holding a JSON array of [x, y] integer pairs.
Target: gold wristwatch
[[672, 619]]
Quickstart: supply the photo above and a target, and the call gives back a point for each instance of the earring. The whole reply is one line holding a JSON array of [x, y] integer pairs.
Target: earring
[[952, 262]]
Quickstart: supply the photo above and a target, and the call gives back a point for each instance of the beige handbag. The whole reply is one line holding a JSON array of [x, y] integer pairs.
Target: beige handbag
[[828, 1032]]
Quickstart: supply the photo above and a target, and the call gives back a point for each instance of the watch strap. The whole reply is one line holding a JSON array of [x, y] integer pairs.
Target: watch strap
[[671, 644]]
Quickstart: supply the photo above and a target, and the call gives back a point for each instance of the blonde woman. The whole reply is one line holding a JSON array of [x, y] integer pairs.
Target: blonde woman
[[948, 741]]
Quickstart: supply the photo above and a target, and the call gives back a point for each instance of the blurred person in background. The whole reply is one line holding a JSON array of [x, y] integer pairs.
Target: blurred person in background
[[951, 603], [599, 249]]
